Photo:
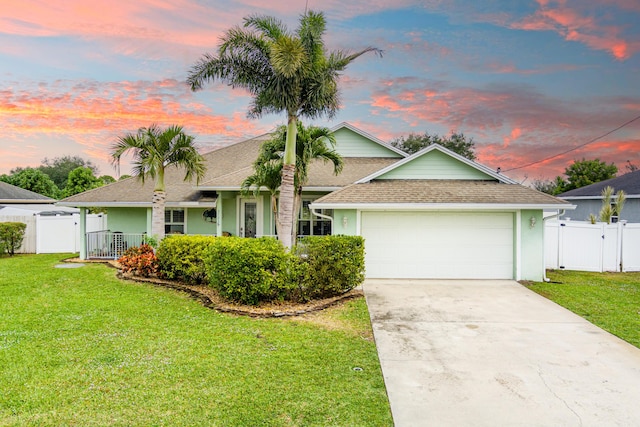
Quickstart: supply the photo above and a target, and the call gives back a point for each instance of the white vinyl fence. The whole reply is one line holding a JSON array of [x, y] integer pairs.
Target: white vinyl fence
[[55, 234], [577, 245]]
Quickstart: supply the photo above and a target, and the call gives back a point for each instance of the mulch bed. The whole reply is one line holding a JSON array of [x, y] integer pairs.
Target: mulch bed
[[208, 297]]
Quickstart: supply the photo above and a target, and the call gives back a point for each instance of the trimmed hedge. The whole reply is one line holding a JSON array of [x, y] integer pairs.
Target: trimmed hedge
[[334, 264], [11, 236], [180, 257], [250, 271]]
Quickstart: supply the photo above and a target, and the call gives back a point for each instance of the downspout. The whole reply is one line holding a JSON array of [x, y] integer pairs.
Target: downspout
[[544, 267], [313, 211]]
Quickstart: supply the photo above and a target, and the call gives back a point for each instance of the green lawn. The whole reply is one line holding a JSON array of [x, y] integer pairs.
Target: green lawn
[[79, 347], [608, 300]]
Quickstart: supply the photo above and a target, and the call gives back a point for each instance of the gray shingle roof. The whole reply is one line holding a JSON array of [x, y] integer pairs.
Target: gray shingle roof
[[439, 191], [629, 183], [12, 194], [227, 168]]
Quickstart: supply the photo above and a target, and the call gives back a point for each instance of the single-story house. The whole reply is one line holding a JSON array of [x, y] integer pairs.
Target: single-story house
[[588, 199], [434, 214], [50, 228]]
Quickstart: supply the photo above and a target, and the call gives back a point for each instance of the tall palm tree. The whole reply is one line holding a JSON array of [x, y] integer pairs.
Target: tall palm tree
[[283, 71], [154, 149], [312, 143]]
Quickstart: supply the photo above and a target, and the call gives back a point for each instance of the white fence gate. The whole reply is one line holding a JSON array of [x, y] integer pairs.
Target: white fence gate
[[55, 234], [582, 246]]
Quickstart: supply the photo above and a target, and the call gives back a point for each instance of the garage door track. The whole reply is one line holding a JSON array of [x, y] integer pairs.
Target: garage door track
[[489, 353]]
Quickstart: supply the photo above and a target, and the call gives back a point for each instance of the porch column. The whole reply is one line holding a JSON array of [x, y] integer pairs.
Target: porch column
[[219, 215], [149, 221], [83, 233]]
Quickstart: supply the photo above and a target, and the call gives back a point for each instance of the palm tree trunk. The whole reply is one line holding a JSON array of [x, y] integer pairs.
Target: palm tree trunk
[[287, 188], [274, 206], [297, 200], [157, 214]]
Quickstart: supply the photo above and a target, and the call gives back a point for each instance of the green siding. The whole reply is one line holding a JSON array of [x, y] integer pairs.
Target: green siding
[[352, 144], [196, 223], [127, 220], [339, 226], [435, 165], [229, 212], [532, 245]]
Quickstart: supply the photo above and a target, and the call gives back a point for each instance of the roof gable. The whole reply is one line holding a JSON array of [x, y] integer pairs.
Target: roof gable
[[437, 162], [352, 142]]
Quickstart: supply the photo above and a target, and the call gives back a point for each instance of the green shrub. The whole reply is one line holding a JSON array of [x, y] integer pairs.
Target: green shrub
[[140, 260], [334, 264], [180, 257], [251, 271], [11, 236]]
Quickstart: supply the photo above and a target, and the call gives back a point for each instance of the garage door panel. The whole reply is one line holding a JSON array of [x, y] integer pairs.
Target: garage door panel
[[438, 244]]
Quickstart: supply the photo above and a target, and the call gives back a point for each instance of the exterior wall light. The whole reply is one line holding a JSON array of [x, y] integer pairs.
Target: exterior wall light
[[532, 222]]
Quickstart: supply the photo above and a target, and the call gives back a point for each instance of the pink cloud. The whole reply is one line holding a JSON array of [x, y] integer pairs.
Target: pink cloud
[[512, 125], [575, 24], [91, 115]]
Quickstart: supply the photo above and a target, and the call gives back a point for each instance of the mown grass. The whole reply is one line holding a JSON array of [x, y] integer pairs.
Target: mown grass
[[608, 300], [79, 347]]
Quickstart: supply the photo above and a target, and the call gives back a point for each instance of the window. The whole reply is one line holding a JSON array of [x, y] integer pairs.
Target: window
[[312, 225], [174, 221]]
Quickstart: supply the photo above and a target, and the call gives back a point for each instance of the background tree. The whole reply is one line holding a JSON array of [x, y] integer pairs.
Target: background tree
[[455, 142], [79, 180], [313, 144], [154, 149], [59, 168], [33, 180], [284, 71], [107, 179], [586, 172], [553, 187]]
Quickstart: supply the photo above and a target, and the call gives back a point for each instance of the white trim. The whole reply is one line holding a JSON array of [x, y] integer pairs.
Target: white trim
[[597, 198], [437, 206], [368, 136], [482, 168], [518, 246], [137, 204]]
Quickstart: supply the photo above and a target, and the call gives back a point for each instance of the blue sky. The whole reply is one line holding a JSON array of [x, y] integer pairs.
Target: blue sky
[[525, 79]]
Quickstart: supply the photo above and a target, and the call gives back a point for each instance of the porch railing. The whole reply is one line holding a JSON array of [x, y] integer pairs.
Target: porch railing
[[111, 244]]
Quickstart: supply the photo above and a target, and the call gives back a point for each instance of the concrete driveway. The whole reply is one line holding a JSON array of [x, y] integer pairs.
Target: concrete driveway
[[493, 353]]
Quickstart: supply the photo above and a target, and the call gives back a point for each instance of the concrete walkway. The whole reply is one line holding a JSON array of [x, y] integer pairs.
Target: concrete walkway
[[493, 353]]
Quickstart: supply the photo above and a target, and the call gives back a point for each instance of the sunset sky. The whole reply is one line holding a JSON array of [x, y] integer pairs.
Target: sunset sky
[[525, 79]]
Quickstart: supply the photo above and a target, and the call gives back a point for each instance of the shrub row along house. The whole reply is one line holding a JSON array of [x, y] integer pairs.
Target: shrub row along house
[[433, 214]]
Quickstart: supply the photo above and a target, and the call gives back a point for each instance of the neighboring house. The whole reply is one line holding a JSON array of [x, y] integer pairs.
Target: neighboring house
[[433, 214], [50, 228], [16, 201], [11, 195], [588, 199]]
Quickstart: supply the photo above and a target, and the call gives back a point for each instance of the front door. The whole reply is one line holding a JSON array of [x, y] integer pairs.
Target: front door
[[248, 218]]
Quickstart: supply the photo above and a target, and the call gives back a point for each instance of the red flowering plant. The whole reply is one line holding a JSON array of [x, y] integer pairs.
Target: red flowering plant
[[140, 260]]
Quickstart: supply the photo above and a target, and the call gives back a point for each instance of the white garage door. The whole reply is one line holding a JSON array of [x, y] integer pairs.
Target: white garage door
[[447, 245]]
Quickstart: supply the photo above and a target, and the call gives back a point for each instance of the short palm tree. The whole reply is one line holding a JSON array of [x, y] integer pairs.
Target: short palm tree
[[312, 143], [284, 71], [154, 149]]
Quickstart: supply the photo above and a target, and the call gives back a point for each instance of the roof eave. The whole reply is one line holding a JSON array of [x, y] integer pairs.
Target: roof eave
[[27, 201], [598, 197], [441, 206], [182, 204]]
